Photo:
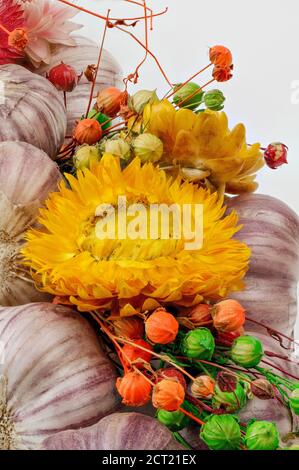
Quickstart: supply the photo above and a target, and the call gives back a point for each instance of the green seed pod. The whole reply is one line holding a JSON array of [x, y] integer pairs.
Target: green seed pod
[[198, 344], [148, 148], [85, 155], [214, 100], [221, 432], [294, 401], [262, 435], [230, 401], [139, 100], [181, 96], [174, 420], [247, 351]]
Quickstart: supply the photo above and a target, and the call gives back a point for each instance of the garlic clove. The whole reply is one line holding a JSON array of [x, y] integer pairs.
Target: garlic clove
[[26, 172]]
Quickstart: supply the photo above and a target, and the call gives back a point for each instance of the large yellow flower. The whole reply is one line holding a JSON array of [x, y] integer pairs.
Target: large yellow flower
[[204, 141], [68, 258]]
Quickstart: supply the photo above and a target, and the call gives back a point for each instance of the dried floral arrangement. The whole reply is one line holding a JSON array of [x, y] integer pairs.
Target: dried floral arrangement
[[201, 339]]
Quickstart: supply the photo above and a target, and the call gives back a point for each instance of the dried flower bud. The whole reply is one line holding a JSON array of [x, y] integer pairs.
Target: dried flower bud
[[119, 148], [227, 338], [88, 131], [85, 155], [276, 155], [110, 100], [214, 100], [90, 72], [221, 56], [294, 401], [199, 315], [18, 39], [168, 395], [173, 374], [222, 74], [148, 148], [247, 351], [221, 432], [63, 77], [133, 354], [134, 389], [203, 387], [198, 344], [262, 435], [139, 100], [129, 327], [228, 315], [174, 420], [161, 327], [189, 96], [262, 389], [229, 401], [226, 381]]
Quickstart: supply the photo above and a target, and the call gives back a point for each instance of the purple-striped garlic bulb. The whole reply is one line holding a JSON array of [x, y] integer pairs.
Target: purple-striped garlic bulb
[[85, 53], [27, 175], [271, 230], [31, 110], [118, 431], [54, 375]]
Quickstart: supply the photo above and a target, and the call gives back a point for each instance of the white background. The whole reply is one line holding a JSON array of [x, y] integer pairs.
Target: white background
[[263, 36]]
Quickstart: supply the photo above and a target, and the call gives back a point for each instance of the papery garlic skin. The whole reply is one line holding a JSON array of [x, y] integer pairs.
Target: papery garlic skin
[[84, 53], [54, 376], [32, 110], [27, 176], [271, 230]]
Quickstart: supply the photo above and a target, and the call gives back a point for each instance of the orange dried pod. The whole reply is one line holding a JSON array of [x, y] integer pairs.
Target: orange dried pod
[[200, 314], [228, 315], [134, 389], [132, 353], [129, 327], [222, 74], [203, 387], [18, 39], [88, 131], [110, 100], [168, 395], [161, 327], [221, 56]]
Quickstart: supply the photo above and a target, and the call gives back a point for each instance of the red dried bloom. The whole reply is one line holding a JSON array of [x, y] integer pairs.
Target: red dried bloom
[[11, 15], [276, 155], [221, 56]]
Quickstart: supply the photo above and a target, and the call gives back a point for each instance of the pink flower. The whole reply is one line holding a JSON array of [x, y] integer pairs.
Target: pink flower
[[11, 17], [47, 23]]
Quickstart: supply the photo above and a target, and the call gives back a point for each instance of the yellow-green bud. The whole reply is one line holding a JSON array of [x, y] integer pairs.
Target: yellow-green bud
[[214, 100], [138, 101], [262, 435], [148, 148], [85, 155], [119, 148]]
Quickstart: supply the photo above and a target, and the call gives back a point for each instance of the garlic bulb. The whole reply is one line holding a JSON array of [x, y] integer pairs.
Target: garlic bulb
[[27, 175], [85, 53], [32, 110], [119, 431], [54, 375], [271, 230]]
